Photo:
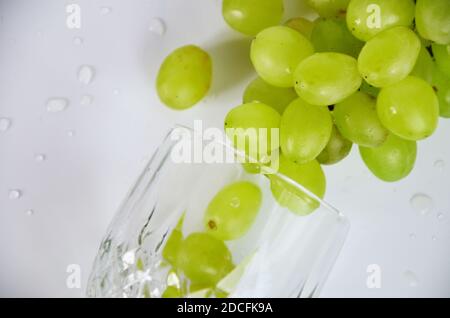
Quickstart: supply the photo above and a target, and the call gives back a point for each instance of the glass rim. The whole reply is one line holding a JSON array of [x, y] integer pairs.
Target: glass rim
[[283, 177]]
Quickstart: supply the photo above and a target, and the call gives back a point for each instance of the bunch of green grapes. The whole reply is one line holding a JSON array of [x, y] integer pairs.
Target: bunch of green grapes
[[362, 73]]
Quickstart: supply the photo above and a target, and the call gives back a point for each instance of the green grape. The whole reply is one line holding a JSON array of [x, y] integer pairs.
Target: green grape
[[243, 125], [309, 175], [276, 52], [204, 259], [304, 131], [329, 8], [442, 57], [336, 150], [392, 161], [327, 78], [409, 109], [332, 35], [252, 16], [170, 251], [357, 120], [195, 287], [367, 18], [221, 294], [369, 89], [277, 97], [172, 247], [232, 211], [424, 66], [302, 25], [441, 84], [171, 292], [432, 20], [389, 57], [184, 77]]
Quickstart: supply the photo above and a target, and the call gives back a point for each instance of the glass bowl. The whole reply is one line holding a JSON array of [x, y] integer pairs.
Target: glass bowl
[[282, 255]]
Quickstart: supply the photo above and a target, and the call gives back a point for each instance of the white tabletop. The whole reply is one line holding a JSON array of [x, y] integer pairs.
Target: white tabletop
[[93, 153]]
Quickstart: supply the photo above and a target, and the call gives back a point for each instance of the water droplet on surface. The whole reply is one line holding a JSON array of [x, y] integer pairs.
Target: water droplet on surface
[[235, 202], [86, 74], [29, 212], [411, 278], [5, 123], [40, 157], [71, 133], [77, 40], [439, 164], [440, 216], [105, 10], [14, 194], [57, 104], [412, 236], [422, 203], [86, 100], [434, 238], [157, 26]]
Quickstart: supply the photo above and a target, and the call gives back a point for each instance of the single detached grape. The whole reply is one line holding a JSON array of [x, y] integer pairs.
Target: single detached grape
[[184, 77], [336, 150], [277, 97], [332, 35], [327, 78], [329, 8], [389, 57], [276, 52], [304, 131], [231, 213], [441, 84], [367, 18], [393, 160], [357, 120], [204, 259], [252, 16], [309, 175], [424, 66], [302, 25], [249, 127], [409, 109], [442, 56], [432, 20]]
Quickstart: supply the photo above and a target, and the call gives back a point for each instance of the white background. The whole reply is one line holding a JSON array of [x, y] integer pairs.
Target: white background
[[77, 189]]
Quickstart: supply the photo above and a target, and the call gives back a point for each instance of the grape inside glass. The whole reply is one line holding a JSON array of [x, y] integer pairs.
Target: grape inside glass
[[281, 254]]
